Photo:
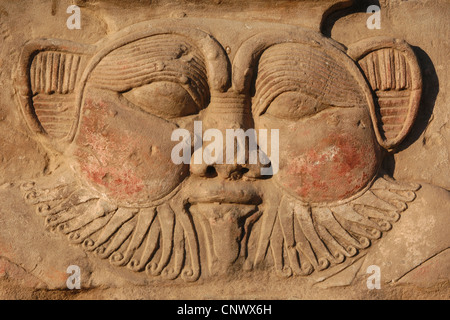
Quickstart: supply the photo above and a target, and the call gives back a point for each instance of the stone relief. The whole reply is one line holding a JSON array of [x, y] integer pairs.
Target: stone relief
[[105, 113], [129, 203]]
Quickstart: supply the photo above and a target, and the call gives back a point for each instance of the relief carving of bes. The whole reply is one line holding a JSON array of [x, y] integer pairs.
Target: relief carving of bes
[[106, 113]]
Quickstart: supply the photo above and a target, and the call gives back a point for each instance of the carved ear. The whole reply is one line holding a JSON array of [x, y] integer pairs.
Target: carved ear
[[393, 73], [46, 80]]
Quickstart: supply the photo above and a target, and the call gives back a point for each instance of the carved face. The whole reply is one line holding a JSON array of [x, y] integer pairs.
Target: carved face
[[142, 85], [139, 93]]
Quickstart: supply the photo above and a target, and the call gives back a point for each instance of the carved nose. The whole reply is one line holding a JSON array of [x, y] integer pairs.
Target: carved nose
[[228, 112], [229, 171]]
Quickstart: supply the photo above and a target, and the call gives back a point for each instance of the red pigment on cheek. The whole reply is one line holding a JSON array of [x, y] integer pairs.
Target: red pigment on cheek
[[106, 164], [335, 170], [118, 182]]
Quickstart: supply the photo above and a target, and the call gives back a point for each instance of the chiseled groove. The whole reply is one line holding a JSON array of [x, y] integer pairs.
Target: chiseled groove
[[177, 42], [148, 73], [392, 120], [67, 68], [157, 57], [382, 68], [48, 72], [73, 73], [266, 87], [55, 72], [403, 71], [62, 63], [393, 111]]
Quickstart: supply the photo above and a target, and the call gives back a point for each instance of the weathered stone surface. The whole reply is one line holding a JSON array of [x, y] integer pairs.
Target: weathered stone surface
[[357, 140]]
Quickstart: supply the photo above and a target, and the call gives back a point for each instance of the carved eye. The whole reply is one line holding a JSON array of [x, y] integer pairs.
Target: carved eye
[[165, 99], [294, 106]]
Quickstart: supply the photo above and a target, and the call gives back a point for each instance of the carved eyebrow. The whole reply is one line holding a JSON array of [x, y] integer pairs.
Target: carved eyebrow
[[296, 67], [157, 58]]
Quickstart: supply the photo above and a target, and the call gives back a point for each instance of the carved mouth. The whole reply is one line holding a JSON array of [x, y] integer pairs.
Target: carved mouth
[[216, 211], [224, 192]]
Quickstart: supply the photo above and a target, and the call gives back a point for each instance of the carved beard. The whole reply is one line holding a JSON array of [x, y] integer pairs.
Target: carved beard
[[171, 241]]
